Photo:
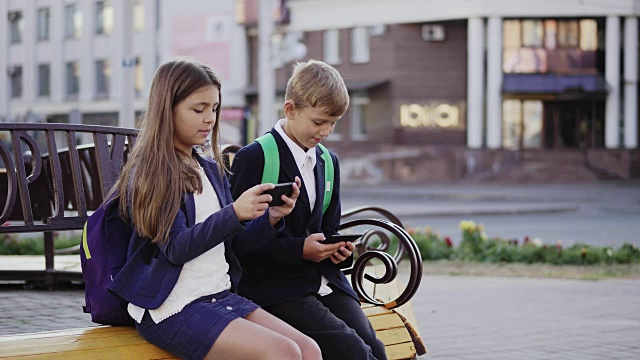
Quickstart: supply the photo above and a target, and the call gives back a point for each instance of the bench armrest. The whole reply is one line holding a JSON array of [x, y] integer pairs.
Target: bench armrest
[[381, 232]]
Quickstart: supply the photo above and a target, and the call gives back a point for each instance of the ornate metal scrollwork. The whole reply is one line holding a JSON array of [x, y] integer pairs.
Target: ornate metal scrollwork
[[407, 248]]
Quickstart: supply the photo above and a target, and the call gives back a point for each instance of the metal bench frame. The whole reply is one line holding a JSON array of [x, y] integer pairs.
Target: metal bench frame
[[47, 191]]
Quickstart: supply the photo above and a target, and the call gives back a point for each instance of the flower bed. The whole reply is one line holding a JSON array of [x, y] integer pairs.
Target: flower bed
[[477, 246]]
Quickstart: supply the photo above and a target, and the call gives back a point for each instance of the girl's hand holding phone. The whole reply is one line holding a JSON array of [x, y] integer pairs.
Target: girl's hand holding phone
[[278, 212], [252, 203]]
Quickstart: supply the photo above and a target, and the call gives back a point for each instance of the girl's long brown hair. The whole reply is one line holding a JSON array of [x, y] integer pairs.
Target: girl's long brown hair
[[154, 177]]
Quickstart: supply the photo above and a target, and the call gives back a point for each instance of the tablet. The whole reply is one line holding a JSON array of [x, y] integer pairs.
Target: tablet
[[338, 238], [280, 189]]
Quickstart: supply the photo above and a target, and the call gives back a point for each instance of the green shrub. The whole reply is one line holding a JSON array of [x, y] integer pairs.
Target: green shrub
[[476, 246], [432, 247], [13, 245], [627, 254]]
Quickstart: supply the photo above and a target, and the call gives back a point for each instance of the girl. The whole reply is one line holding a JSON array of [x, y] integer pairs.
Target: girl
[[183, 269]]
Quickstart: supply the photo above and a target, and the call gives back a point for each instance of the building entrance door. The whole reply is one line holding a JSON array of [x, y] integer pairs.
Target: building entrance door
[[573, 124]]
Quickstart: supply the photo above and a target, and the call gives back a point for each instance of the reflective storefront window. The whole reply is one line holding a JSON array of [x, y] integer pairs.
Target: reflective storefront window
[[534, 46], [522, 124], [511, 123]]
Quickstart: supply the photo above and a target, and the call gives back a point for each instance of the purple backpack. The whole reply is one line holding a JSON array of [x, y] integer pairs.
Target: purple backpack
[[103, 252]]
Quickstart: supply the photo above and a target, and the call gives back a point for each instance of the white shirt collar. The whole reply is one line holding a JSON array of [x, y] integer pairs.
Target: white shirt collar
[[297, 152]]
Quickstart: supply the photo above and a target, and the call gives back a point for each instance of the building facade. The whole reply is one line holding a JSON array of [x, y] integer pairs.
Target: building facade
[[92, 61], [497, 89]]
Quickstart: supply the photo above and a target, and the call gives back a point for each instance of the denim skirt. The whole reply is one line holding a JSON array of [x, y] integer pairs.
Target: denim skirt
[[190, 334]]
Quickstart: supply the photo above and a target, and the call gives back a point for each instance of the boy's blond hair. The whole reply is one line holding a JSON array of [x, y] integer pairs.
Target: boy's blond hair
[[317, 84]]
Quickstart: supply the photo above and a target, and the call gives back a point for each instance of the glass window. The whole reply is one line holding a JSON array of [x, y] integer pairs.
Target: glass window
[[360, 52], [103, 77], [532, 124], [532, 33], [138, 16], [44, 80], [525, 60], [43, 24], [139, 77], [357, 119], [73, 21], [104, 17], [16, 24], [331, 46], [588, 35], [568, 33], [15, 74], [73, 78], [511, 34], [550, 46], [550, 34], [511, 123], [522, 124]]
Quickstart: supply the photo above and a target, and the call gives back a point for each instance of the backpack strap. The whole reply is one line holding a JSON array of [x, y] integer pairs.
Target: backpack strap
[[328, 177], [85, 245], [270, 173]]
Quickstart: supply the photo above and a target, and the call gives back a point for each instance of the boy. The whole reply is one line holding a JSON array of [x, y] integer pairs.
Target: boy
[[294, 276]]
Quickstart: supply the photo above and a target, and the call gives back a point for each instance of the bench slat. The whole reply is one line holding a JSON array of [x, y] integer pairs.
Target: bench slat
[[393, 336], [118, 342], [388, 321], [375, 310], [401, 351]]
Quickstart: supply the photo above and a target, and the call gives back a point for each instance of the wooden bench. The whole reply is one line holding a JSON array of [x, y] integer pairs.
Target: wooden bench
[[65, 185]]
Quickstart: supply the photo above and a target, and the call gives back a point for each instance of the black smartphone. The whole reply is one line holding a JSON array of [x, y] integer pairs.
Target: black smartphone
[[278, 191], [332, 239]]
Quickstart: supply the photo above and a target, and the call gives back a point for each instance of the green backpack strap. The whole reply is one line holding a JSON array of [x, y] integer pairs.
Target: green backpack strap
[[270, 172], [328, 177]]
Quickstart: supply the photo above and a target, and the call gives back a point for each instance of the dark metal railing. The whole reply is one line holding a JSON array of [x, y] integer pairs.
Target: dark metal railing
[[46, 189]]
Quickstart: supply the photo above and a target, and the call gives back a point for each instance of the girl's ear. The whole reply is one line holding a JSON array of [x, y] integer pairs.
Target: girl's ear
[[289, 109]]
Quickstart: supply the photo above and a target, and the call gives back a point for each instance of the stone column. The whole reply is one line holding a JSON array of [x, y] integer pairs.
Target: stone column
[[87, 61], [631, 82], [5, 81], [475, 82], [612, 76], [494, 83], [126, 67], [57, 67]]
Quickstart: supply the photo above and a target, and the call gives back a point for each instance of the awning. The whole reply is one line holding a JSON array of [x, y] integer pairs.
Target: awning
[[364, 85], [554, 84], [352, 86]]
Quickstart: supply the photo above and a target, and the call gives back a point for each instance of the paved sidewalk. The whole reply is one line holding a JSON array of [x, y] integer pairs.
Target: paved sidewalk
[[459, 317], [23, 311], [522, 318]]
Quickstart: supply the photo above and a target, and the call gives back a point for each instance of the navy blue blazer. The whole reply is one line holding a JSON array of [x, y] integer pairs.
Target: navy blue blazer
[[275, 272], [146, 281]]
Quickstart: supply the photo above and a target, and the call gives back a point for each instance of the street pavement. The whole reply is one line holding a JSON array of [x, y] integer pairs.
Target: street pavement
[[602, 214], [462, 317]]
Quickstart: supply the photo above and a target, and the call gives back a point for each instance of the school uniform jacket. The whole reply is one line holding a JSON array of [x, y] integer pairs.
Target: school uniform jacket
[[275, 272], [151, 271]]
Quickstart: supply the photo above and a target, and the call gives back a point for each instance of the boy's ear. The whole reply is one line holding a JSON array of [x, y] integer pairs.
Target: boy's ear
[[289, 109]]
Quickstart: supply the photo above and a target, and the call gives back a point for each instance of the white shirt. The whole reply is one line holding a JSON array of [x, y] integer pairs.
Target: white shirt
[[204, 275], [306, 161]]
